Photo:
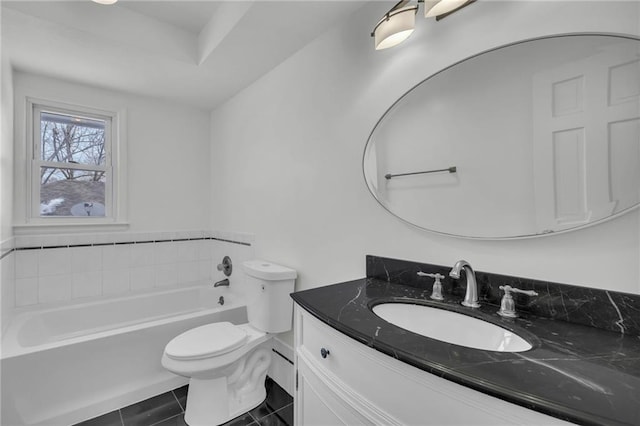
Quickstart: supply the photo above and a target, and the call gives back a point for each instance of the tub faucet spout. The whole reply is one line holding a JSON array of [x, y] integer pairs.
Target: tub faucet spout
[[224, 282], [471, 295]]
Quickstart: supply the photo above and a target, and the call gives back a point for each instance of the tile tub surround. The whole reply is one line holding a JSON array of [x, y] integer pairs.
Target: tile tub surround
[[608, 310], [55, 268], [168, 408], [574, 372]]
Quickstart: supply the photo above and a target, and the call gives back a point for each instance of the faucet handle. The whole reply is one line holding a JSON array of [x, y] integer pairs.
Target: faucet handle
[[508, 288], [507, 304], [226, 266], [436, 293], [437, 276]]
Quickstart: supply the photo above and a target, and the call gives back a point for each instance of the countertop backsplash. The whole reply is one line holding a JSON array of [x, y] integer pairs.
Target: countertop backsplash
[[603, 309]]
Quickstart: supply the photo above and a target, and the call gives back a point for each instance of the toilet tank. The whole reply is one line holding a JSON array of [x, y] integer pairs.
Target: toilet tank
[[269, 306]]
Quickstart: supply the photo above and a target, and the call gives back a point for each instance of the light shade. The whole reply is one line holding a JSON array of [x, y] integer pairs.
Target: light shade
[[434, 8], [105, 1], [395, 27]]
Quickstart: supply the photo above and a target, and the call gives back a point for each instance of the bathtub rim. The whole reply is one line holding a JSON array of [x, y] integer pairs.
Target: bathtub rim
[[11, 347]]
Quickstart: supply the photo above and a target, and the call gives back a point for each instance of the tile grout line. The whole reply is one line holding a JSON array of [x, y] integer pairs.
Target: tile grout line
[[174, 416], [257, 421], [283, 408], [164, 420], [120, 243], [177, 400], [253, 417]]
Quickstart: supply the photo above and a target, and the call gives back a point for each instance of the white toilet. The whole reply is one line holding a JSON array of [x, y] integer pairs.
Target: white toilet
[[226, 363]]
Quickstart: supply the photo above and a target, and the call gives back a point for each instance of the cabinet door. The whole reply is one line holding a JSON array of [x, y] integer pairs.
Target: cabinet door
[[317, 405]]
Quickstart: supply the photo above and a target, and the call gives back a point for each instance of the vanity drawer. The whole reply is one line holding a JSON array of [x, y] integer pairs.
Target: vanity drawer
[[392, 392]]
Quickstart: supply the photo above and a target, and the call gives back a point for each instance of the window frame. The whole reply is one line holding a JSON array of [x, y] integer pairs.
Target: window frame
[[113, 168]]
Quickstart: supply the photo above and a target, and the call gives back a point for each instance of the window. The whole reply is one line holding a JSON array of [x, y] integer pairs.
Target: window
[[73, 164]]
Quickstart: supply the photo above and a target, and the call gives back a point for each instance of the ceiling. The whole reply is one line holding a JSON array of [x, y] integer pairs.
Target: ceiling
[[189, 15], [196, 52]]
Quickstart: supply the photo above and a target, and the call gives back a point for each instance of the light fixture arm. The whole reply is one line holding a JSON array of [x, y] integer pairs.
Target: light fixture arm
[[454, 10], [390, 13], [400, 4], [388, 33]]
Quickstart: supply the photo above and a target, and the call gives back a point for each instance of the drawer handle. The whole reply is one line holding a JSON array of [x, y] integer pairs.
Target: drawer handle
[[324, 352]]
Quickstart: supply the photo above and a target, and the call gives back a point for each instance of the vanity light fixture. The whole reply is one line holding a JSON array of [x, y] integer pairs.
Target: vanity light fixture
[[105, 1], [399, 22], [395, 27]]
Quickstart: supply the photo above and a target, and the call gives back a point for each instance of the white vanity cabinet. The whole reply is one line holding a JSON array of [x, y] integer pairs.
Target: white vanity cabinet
[[343, 382]]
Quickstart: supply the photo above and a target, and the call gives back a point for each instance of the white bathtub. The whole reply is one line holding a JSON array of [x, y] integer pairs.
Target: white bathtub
[[72, 362]]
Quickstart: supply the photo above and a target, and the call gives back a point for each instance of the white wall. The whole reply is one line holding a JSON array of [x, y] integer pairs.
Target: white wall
[[167, 152], [287, 152]]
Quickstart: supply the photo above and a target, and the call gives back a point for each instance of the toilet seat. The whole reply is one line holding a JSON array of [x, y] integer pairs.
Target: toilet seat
[[206, 341]]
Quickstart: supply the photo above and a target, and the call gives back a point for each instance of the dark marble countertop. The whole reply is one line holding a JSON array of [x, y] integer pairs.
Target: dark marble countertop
[[573, 372]]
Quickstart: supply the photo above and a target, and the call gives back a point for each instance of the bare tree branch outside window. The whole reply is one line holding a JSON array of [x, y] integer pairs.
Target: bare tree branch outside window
[[67, 140]]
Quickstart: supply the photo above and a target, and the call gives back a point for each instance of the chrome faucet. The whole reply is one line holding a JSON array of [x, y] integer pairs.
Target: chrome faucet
[[224, 282], [471, 296], [507, 304]]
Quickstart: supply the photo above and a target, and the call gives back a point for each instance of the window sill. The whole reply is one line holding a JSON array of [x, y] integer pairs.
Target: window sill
[[68, 228]]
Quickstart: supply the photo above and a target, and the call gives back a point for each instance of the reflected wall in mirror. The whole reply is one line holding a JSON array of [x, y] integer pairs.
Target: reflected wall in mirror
[[544, 136]]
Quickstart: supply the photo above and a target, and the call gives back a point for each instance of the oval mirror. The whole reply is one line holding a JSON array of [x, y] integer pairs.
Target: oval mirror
[[528, 139]]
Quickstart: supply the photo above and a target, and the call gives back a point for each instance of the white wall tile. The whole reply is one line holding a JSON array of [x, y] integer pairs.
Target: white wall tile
[[142, 278], [54, 288], [73, 240], [86, 284], [122, 237], [8, 285], [28, 241], [239, 253], [26, 263], [54, 262], [116, 257], [53, 240], [102, 239], [86, 259], [165, 235], [180, 235], [188, 272], [141, 236], [166, 253], [26, 291], [187, 250], [204, 250], [115, 281], [218, 252], [204, 270], [51, 275], [8, 244], [166, 275], [142, 255]]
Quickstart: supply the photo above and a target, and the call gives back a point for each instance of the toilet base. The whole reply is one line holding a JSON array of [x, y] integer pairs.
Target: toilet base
[[218, 400]]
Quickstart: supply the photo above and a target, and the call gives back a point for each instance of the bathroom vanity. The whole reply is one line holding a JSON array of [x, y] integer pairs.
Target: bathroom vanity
[[353, 367]]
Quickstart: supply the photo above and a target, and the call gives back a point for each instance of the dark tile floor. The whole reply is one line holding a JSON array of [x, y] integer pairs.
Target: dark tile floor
[[168, 410]]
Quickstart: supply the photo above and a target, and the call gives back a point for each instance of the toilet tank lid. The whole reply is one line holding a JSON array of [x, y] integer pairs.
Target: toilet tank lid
[[268, 270]]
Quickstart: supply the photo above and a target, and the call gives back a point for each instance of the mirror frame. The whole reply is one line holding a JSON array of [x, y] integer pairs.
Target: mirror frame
[[406, 93]]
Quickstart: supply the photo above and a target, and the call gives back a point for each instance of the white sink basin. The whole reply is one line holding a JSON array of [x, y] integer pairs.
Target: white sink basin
[[451, 327]]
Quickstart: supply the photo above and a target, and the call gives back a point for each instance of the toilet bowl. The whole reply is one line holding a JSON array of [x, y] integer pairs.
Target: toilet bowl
[[226, 363], [227, 366]]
